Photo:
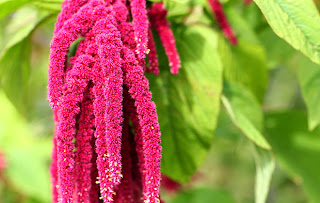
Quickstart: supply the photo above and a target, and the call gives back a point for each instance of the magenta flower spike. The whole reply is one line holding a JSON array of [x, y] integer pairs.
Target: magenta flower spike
[[125, 190], [109, 55], [68, 8], [152, 55], [136, 150], [157, 14], [73, 94], [79, 23], [54, 163], [138, 89], [84, 150], [54, 172], [223, 21], [140, 26]]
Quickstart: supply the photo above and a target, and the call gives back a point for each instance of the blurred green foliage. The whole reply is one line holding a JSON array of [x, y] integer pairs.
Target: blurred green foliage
[[239, 123]]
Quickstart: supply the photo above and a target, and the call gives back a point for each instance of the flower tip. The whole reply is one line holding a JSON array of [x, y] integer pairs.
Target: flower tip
[[174, 71], [233, 41]]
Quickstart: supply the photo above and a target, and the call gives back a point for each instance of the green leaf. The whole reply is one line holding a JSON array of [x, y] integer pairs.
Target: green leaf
[[297, 22], [309, 80], [21, 26], [201, 195], [296, 149], [279, 51], [14, 74], [28, 157], [245, 64], [245, 112], [265, 166], [15, 57], [9, 6], [241, 26], [188, 103], [51, 5]]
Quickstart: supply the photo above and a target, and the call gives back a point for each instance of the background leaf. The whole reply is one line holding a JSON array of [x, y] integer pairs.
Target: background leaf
[[9, 6], [15, 57], [245, 112], [188, 103], [297, 22], [201, 195], [245, 63], [309, 79], [265, 165], [296, 149], [27, 156]]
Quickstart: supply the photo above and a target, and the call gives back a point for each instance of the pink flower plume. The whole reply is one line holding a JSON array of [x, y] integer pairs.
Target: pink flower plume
[[223, 21], [80, 22], [138, 89], [140, 25], [152, 55], [84, 150], [157, 14], [73, 95]]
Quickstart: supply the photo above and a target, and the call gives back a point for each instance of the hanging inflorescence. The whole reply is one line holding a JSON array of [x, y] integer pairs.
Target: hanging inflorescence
[[3, 164], [223, 21], [107, 136]]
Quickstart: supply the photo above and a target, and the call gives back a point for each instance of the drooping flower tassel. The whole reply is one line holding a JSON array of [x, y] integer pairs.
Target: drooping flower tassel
[[77, 80], [110, 45], [79, 24], [54, 163], [223, 21], [68, 8], [140, 26], [138, 89], [247, 2], [125, 189], [152, 55], [157, 14], [84, 151]]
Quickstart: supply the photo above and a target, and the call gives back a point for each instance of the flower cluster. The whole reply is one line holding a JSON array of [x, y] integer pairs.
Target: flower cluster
[[3, 164], [223, 21], [247, 2], [170, 185], [107, 136]]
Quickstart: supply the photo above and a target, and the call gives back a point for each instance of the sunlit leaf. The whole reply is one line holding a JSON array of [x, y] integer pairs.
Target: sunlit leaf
[[297, 22], [265, 165], [245, 112], [28, 157], [309, 79]]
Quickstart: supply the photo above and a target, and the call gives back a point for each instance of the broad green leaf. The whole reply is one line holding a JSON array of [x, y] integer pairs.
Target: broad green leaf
[[14, 74], [21, 26], [309, 79], [240, 26], [265, 166], [295, 21], [15, 57], [9, 6], [245, 112], [202, 195], [296, 149], [28, 157], [188, 103], [51, 5], [245, 64], [278, 52]]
